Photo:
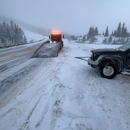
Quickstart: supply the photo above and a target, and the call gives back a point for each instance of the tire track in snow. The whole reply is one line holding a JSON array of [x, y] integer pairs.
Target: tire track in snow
[[12, 64], [24, 85], [48, 103], [9, 82]]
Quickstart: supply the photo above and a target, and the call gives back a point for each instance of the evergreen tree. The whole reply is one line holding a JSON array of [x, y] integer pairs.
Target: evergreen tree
[[124, 32], [110, 39], [115, 33], [119, 30], [96, 31], [105, 41], [25, 40], [114, 41], [107, 32], [91, 33], [11, 34], [8, 32]]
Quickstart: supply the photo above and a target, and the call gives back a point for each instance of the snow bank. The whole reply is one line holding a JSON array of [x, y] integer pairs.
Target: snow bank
[[32, 37]]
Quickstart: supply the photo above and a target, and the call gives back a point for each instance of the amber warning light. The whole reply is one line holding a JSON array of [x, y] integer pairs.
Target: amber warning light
[[56, 33]]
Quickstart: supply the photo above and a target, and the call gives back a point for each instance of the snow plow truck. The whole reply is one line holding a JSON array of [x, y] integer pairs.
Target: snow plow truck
[[51, 47]]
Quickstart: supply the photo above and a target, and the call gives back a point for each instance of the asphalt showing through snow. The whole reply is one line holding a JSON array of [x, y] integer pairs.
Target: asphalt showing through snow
[[9, 82], [12, 64], [47, 50]]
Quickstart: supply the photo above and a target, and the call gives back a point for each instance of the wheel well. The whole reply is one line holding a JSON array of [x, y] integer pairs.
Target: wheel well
[[103, 62], [113, 61]]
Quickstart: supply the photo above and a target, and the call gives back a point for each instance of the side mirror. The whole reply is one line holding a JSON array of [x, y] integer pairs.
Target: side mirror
[[49, 37], [63, 36]]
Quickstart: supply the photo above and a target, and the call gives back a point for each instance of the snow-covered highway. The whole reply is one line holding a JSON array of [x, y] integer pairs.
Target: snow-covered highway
[[17, 52], [62, 93]]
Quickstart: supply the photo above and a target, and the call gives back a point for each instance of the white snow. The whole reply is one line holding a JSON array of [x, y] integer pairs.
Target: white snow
[[65, 93], [32, 37]]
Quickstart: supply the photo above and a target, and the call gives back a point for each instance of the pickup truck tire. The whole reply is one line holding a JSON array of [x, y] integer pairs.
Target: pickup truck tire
[[108, 70]]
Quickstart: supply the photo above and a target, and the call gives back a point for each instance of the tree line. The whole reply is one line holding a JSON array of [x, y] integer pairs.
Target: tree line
[[11, 35], [121, 31]]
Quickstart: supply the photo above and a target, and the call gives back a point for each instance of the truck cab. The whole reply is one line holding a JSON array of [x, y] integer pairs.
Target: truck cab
[[56, 36]]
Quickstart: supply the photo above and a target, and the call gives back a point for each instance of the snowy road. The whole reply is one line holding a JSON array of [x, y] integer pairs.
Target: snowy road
[[18, 52], [62, 93]]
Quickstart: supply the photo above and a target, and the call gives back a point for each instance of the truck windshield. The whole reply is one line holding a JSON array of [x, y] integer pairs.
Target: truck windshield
[[125, 47]]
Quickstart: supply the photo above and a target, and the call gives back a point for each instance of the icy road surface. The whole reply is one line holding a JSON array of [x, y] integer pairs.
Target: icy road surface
[[17, 52], [62, 93]]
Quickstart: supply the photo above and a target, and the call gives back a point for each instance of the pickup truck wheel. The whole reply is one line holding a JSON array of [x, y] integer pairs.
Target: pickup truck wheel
[[108, 70]]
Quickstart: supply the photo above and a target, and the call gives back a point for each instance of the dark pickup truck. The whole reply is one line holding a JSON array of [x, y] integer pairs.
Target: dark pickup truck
[[111, 62]]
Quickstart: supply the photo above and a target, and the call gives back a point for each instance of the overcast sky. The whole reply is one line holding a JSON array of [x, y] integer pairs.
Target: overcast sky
[[72, 16]]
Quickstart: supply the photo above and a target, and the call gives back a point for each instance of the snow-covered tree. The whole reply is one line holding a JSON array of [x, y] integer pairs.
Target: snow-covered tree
[[114, 41], [11, 34], [96, 31], [105, 41], [121, 31], [107, 32], [115, 33], [92, 33], [118, 34], [110, 39], [124, 32]]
